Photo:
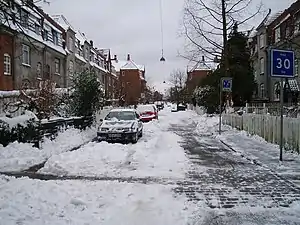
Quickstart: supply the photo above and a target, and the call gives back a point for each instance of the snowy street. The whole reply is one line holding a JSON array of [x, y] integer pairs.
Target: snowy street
[[179, 172]]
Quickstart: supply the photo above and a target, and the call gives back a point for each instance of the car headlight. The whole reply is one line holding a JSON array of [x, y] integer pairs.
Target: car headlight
[[126, 129], [104, 129]]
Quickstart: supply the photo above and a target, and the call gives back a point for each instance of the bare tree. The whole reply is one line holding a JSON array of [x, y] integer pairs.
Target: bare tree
[[206, 24], [178, 78], [177, 81]]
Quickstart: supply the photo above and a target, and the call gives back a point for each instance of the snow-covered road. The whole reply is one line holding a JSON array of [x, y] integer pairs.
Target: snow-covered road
[[178, 173]]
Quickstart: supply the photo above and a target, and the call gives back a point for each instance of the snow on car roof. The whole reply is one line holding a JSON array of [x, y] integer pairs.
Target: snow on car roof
[[122, 110]]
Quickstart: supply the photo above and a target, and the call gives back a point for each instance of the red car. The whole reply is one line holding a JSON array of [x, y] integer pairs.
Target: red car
[[147, 112]]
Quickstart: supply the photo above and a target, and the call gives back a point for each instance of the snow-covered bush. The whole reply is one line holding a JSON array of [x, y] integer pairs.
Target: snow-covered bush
[[87, 94], [207, 97], [23, 128]]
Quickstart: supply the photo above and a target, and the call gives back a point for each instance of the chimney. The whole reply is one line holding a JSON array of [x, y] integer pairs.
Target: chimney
[[91, 43], [128, 57]]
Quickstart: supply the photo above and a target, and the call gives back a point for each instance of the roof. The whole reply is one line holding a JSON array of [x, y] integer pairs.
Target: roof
[[118, 64], [105, 53], [272, 17], [201, 66], [81, 37], [63, 22], [123, 109], [130, 65], [141, 67]]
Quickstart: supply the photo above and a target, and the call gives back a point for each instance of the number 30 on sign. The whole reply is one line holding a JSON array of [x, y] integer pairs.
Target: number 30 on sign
[[282, 63]]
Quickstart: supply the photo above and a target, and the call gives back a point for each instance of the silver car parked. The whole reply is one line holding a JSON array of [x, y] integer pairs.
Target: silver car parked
[[120, 125]]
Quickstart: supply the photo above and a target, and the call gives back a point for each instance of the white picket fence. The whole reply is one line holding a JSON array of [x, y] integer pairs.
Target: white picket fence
[[268, 127]]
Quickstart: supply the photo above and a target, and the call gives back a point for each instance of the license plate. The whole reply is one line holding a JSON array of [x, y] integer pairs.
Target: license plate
[[115, 135]]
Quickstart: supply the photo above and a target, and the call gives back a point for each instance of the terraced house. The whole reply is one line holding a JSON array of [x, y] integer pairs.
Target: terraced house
[[280, 30], [36, 46]]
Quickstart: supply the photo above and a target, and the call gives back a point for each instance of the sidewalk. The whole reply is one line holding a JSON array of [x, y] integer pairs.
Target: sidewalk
[[262, 153]]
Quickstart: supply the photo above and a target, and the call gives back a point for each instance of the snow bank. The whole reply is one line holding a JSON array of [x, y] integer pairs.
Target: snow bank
[[21, 120], [158, 153], [19, 156], [100, 202]]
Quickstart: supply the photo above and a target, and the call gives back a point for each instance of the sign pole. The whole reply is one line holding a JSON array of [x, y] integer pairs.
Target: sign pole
[[282, 66], [220, 107], [281, 118]]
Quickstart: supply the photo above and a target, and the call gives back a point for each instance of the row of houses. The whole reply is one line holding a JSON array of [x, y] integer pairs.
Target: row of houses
[[35, 46], [280, 30]]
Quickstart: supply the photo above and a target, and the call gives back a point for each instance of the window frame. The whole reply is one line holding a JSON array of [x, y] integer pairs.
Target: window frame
[[57, 66], [26, 48], [7, 64], [261, 66], [39, 70], [261, 40]]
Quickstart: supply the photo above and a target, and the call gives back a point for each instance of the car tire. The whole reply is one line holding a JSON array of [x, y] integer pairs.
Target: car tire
[[135, 138], [141, 133]]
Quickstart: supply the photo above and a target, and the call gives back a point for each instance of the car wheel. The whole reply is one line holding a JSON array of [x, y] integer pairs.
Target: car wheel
[[135, 138], [141, 133]]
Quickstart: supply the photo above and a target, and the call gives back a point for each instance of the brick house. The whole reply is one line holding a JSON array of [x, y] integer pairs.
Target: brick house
[[279, 30], [132, 83], [195, 75]]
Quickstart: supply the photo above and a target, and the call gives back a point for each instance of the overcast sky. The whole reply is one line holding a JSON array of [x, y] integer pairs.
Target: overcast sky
[[133, 26]]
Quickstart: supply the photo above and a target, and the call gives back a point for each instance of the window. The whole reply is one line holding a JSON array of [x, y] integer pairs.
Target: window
[[24, 18], [39, 70], [47, 72], [86, 52], [277, 34], [261, 41], [7, 64], [26, 54], [296, 68], [57, 66], [37, 28], [276, 91], [262, 66], [262, 90], [71, 68], [71, 44], [92, 57], [45, 35], [55, 37]]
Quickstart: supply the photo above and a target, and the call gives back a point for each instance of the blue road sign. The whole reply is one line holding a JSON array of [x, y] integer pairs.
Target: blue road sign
[[226, 84], [282, 63]]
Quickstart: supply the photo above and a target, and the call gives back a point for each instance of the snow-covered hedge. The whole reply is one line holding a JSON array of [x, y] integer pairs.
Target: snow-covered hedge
[[21, 128]]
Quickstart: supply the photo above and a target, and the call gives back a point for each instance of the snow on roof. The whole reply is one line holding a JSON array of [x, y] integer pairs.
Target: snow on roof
[[81, 37], [118, 64], [201, 66], [40, 39], [80, 58], [273, 17], [130, 65], [141, 67], [97, 66], [62, 21], [33, 35], [105, 53], [123, 109]]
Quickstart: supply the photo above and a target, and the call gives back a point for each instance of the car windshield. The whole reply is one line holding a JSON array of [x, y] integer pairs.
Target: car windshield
[[121, 115]]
